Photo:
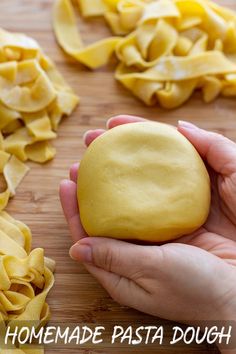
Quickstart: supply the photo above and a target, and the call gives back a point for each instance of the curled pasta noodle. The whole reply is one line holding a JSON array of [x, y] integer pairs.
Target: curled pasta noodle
[[70, 40], [166, 49], [33, 99], [26, 278], [12, 177]]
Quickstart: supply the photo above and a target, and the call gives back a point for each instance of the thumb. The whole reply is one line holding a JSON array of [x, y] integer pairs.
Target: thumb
[[119, 266], [115, 256], [217, 150]]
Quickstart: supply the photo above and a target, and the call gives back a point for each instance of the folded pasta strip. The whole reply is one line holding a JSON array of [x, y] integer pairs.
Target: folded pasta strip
[[33, 99], [166, 48], [26, 277]]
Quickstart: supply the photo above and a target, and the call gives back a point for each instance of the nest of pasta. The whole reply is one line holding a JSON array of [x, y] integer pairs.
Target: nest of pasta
[[25, 279], [166, 48], [33, 99]]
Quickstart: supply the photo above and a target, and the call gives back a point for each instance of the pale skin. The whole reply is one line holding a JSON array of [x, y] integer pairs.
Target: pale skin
[[189, 280]]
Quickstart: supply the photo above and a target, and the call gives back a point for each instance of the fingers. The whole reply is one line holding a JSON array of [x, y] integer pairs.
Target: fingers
[[213, 243], [68, 197], [123, 119], [74, 172], [217, 150], [118, 266], [91, 135], [122, 290], [119, 257]]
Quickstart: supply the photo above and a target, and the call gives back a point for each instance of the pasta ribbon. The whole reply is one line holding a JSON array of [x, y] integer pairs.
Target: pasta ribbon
[[26, 278], [33, 99], [166, 49], [70, 40]]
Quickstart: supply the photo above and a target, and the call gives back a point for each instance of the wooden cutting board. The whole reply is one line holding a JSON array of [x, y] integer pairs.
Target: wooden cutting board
[[76, 297]]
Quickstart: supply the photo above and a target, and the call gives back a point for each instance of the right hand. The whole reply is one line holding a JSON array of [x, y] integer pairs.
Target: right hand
[[190, 279]]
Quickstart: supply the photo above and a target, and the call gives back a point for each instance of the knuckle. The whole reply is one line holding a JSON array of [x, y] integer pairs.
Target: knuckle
[[138, 274], [106, 258]]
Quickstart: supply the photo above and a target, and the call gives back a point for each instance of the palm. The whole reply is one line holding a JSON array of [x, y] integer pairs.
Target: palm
[[218, 233]]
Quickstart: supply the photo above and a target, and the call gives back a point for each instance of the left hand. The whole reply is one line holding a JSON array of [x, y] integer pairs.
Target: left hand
[[191, 279]]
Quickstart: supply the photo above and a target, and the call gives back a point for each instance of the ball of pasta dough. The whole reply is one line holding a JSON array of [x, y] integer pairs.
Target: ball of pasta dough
[[142, 181]]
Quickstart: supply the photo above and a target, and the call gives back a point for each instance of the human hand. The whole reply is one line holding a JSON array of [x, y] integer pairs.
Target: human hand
[[190, 279]]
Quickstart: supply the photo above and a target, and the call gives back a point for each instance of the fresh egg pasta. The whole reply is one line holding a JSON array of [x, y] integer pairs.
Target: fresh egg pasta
[[33, 99], [26, 277], [166, 48]]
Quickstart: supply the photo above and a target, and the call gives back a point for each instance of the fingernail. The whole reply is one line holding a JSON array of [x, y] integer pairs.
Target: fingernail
[[108, 122], [187, 125], [64, 184], [85, 135], [65, 181], [81, 253]]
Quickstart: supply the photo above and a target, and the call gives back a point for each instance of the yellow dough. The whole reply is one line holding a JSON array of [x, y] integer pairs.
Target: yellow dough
[[142, 181]]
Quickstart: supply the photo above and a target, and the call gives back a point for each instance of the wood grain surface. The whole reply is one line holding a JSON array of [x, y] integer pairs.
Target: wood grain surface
[[76, 297]]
